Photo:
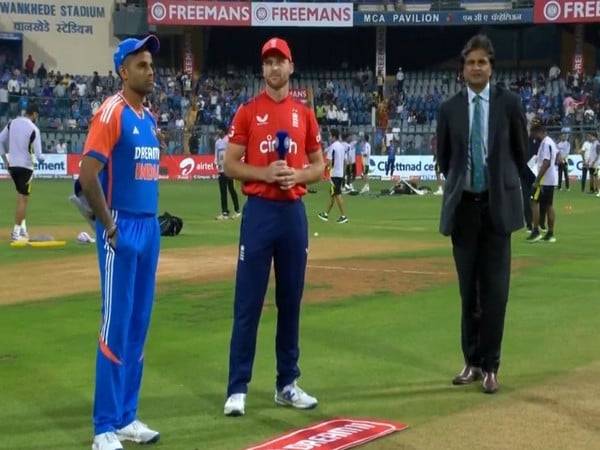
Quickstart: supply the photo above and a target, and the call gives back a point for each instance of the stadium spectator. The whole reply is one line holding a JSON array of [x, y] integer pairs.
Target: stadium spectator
[[42, 73], [400, 79], [218, 95], [332, 115], [179, 123], [29, 66], [193, 143], [3, 99], [554, 72], [342, 117], [111, 82], [81, 87], [596, 85], [14, 87], [589, 116], [61, 147], [321, 113], [380, 84]]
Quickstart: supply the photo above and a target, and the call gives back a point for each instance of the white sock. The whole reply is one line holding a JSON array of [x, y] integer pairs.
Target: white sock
[[24, 226], [17, 229]]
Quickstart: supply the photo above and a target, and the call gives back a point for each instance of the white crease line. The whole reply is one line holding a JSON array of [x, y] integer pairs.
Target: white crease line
[[359, 269]]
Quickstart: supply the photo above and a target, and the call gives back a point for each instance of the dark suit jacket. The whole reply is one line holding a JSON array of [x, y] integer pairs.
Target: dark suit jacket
[[507, 147]]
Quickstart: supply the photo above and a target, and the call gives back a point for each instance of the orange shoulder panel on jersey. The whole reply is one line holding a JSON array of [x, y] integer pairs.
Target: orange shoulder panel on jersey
[[105, 129]]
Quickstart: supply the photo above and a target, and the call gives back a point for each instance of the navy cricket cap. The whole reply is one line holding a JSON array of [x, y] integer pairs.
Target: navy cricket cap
[[131, 45]]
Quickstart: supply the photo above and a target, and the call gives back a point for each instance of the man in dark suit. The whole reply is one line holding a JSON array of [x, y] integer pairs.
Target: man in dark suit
[[482, 142]]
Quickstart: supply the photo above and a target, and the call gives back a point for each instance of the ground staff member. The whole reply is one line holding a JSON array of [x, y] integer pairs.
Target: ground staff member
[[482, 139], [564, 148], [336, 156], [119, 177], [225, 183], [544, 184], [274, 226], [366, 156], [21, 140]]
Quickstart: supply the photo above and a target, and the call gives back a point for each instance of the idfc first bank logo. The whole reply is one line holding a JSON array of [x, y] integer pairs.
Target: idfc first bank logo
[[158, 11], [566, 11], [552, 11]]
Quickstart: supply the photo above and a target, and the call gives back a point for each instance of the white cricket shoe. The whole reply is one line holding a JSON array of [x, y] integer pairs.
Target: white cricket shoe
[[323, 216], [138, 432], [235, 405], [16, 237], [439, 191], [292, 395], [365, 189], [106, 441]]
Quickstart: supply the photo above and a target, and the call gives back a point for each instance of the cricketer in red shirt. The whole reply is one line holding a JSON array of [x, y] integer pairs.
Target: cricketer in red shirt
[[274, 225]]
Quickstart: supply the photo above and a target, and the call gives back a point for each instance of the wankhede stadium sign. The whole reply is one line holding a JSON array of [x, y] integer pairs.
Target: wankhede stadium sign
[[43, 17], [183, 12], [566, 11], [296, 14]]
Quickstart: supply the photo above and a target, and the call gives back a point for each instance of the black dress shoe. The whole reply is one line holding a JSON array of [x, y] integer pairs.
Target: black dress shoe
[[490, 382], [467, 375]]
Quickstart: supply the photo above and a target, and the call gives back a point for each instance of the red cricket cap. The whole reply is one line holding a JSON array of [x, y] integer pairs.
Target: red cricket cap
[[276, 45]]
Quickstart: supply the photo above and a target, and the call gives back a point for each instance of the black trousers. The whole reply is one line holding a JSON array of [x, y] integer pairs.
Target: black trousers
[[350, 173], [226, 183], [482, 257], [527, 212], [563, 170], [584, 173]]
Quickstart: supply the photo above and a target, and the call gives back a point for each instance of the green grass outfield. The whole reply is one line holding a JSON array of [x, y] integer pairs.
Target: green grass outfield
[[378, 356]]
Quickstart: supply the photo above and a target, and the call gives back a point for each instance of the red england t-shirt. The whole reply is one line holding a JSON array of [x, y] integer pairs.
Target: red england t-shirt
[[255, 126]]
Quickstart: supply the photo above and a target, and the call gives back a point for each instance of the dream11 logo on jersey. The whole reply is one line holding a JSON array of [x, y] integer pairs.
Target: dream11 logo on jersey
[[146, 163], [269, 145]]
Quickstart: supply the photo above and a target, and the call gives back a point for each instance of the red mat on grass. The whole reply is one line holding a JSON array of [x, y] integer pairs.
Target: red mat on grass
[[336, 434]]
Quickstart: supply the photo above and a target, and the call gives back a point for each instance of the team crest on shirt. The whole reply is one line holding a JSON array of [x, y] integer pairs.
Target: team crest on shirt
[[295, 120], [262, 120], [135, 130]]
